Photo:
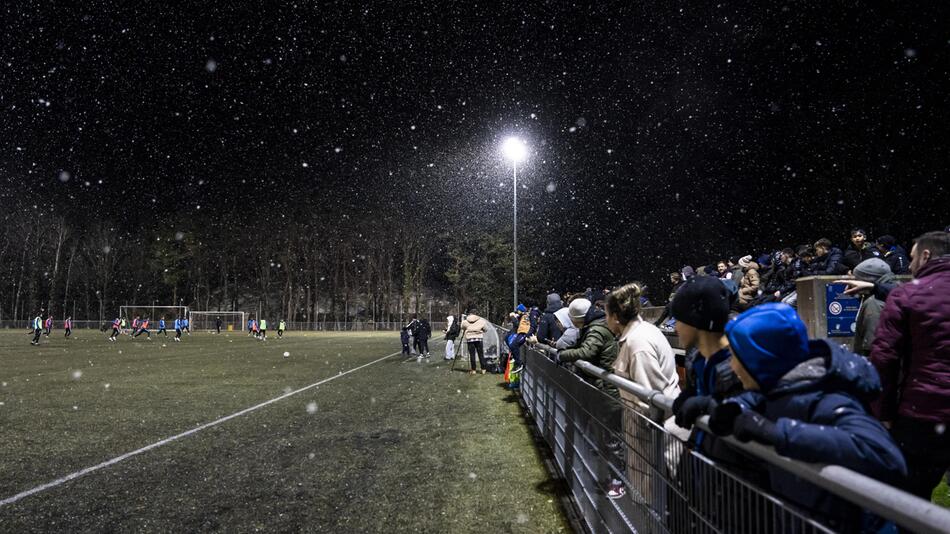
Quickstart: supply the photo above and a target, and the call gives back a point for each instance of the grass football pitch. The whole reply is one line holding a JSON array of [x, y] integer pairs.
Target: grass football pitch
[[392, 446]]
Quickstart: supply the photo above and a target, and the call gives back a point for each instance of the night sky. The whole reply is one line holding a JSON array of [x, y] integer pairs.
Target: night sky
[[661, 133]]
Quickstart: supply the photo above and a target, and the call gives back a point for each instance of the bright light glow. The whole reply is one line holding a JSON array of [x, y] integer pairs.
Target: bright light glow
[[515, 149]]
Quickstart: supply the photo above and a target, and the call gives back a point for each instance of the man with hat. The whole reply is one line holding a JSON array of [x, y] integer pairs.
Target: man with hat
[[874, 270]]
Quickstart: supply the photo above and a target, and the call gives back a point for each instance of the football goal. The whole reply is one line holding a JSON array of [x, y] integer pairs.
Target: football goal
[[170, 313], [231, 321]]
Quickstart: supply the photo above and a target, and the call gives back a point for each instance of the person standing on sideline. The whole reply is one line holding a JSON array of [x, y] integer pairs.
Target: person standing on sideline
[[452, 330], [263, 329], [550, 328], [474, 328], [281, 326], [644, 357], [404, 338], [37, 329], [911, 352], [178, 328], [161, 327], [217, 324], [425, 331], [869, 313], [48, 325], [68, 326], [116, 328]]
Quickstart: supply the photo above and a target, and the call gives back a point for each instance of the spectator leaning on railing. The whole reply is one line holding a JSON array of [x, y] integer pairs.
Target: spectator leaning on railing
[[859, 249], [911, 351], [550, 327], [828, 259], [893, 254], [808, 399], [872, 270]]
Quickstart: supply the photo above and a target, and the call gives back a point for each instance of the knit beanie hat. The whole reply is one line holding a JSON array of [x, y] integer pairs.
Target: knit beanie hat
[[578, 308], [521, 308], [745, 261], [703, 303], [871, 269], [769, 340]]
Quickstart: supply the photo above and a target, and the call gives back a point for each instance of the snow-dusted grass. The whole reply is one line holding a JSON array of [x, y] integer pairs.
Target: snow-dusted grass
[[391, 447]]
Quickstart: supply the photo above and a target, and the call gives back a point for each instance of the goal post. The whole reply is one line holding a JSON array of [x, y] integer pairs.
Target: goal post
[[231, 321], [170, 313]]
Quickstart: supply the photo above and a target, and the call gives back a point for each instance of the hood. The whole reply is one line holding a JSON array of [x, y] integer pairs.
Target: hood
[[553, 303], [449, 320], [472, 318], [752, 266], [832, 368], [768, 340], [594, 314]]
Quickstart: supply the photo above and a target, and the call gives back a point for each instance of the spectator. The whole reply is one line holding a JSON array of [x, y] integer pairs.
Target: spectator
[[735, 269], [722, 270], [473, 329], [911, 352], [827, 259], [452, 331], [872, 270], [578, 307], [749, 288], [859, 250], [701, 309], [425, 332], [550, 328], [677, 279], [597, 345], [644, 357], [524, 324], [808, 399], [893, 254]]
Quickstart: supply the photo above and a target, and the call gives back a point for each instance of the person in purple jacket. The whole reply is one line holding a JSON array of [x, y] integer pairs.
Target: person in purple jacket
[[911, 352]]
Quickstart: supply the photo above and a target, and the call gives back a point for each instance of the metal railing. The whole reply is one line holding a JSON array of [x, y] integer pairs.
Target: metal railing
[[596, 438]]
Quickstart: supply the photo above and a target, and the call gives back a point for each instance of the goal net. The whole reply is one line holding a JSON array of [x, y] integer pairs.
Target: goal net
[[154, 313], [231, 321]]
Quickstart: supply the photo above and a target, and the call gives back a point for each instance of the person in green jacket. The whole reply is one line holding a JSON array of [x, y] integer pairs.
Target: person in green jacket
[[281, 326], [263, 329], [597, 345], [595, 342]]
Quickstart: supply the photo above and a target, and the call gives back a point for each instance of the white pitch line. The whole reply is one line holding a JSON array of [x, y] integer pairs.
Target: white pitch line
[[157, 444]]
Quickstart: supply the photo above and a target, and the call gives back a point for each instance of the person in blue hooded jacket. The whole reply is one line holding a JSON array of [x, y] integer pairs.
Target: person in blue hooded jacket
[[809, 399]]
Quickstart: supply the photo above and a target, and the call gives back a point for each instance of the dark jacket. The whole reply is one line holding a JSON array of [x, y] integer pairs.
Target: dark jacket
[[852, 256], [897, 259], [453, 331], [597, 345], [549, 328], [404, 336], [913, 341], [424, 330], [820, 412], [829, 264]]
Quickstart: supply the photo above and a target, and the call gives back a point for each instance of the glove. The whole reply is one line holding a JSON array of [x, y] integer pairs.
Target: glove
[[692, 408], [750, 425], [678, 401], [723, 418]]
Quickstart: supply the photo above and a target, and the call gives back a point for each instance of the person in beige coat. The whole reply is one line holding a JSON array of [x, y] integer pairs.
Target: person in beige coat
[[473, 330], [646, 358], [749, 287]]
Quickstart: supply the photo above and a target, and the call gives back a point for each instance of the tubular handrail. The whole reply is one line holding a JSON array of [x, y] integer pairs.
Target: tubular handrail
[[884, 500]]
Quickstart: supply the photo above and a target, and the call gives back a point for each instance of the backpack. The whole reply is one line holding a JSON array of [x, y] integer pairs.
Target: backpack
[[453, 330]]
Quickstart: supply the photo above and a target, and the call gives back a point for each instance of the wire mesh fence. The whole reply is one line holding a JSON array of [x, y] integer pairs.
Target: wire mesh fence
[[322, 326]]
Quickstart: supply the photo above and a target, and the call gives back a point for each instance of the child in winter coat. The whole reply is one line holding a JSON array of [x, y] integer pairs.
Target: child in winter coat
[[404, 337], [808, 399]]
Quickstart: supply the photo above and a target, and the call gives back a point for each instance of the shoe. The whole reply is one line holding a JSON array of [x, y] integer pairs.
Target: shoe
[[615, 489], [472, 372], [483, 371], [518, 369]]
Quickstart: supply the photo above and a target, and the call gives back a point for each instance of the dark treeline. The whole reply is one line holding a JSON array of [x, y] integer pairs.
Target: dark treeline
[[302, 267]]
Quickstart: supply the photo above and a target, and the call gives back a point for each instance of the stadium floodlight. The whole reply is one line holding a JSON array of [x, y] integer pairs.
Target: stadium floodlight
[[231, 321], [515, 150]]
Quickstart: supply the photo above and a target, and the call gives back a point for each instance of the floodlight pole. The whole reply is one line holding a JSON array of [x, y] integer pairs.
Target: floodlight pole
[[514, 168]]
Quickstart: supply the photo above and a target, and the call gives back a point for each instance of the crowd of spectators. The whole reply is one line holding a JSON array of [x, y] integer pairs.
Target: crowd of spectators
[[879, 407]]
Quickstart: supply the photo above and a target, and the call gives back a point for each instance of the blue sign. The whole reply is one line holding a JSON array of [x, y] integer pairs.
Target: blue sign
[[842, 310]]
